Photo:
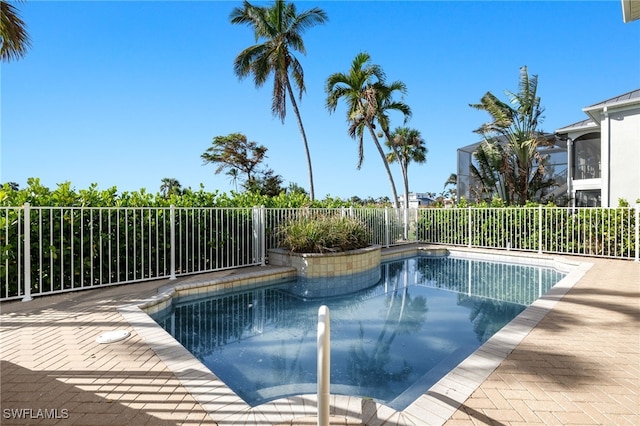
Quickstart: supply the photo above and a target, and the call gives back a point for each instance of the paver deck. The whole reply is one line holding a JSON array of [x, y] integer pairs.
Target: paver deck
[[579, 365]]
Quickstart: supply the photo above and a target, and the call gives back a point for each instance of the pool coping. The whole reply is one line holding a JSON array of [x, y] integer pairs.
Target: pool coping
[[434, 407]]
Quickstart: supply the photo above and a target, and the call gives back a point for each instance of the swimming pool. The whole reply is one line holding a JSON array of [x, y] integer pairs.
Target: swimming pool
[[390, 341]]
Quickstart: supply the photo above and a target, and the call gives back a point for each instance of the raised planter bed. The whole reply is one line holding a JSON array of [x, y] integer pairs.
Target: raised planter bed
[[331, 274]]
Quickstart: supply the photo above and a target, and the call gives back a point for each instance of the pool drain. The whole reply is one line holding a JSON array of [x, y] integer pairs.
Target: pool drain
[[113, 336]]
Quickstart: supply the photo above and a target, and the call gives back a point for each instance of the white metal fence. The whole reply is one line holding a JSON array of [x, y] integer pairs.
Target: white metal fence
[[602, 232], [61, 249], [71, 248]]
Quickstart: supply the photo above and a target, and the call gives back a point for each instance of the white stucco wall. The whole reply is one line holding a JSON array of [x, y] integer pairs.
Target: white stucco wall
[[624, 171]]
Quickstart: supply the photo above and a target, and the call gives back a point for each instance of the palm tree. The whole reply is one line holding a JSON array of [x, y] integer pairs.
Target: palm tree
[[516, 124], [13, 186], [386, 104], [452, 180], [490, 172], [14, 39], [233, 177], [169, 187], [279, 28], [368, 99], [407, 146]]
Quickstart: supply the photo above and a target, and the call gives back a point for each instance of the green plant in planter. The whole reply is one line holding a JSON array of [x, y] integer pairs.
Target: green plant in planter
[[324, 234]]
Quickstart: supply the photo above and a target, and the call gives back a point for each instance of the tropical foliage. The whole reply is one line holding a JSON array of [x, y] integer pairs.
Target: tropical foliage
[[14, 39], [324, 234], [236, 154], [509, 162], [452, 181], [65, 195], [170, 186], [406, 146], [369, 100], [279, 29], [87, 237]]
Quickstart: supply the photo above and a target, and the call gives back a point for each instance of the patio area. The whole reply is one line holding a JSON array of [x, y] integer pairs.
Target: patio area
[[579, 365]]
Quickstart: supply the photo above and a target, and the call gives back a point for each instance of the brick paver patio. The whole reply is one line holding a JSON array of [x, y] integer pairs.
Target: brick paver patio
[[579, 365]]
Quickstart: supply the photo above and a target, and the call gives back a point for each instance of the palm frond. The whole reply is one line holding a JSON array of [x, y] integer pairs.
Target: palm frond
[[14, 39]]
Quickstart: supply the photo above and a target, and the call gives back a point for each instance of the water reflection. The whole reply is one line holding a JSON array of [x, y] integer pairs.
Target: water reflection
[[390, 342], [369, 367], [507, 282]]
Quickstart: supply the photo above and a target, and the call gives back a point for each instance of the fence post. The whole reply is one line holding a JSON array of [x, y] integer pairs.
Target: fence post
[[540, 229], [386, 226], [172, 273], [27, 253], [263, 235], [637, 214], [469, 225], [406, 223]]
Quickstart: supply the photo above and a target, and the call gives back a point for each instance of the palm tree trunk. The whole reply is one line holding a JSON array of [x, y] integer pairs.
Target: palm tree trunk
[[386, 165], [304, 139], [405, 178]]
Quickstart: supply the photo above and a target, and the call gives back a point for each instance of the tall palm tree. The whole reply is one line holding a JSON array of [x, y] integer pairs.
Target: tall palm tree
[[387, 104], [233, 174], [407, 146], [14, 39], [278, 29], [516, 123], [368, 100]]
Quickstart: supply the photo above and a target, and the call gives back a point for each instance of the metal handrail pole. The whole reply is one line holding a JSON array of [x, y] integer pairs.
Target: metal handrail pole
[[324, 365]]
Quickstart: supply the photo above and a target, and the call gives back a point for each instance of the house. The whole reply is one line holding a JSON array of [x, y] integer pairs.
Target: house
[[603, 153], [416, 200], [595, 162]]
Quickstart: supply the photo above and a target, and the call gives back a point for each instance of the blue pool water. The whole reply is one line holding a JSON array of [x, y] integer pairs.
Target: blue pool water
[[391, 341]]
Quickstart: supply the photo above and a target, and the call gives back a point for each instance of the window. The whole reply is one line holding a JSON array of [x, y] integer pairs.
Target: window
[[586, 157], [591, 198]]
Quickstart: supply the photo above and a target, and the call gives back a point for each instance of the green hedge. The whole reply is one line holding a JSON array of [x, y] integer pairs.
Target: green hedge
[[608, 232]]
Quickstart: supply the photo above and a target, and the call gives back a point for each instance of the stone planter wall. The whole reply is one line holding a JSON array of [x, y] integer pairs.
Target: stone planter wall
[[330, 274], [314, 265]]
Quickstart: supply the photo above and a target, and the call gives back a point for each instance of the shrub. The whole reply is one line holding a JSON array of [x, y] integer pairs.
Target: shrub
[[324, 234]]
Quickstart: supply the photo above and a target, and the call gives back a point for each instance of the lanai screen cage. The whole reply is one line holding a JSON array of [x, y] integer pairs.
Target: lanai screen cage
[[555, 168]]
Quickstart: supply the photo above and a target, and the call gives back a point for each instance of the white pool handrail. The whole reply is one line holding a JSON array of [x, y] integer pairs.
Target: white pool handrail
[[324, 365]]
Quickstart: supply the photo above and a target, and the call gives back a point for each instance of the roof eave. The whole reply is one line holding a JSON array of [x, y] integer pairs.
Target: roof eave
[[573, 128], [594, 114], [595, 111], [630, 10]]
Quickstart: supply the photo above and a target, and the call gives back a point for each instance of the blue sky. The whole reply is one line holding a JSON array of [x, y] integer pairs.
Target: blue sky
[[127, 93]]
